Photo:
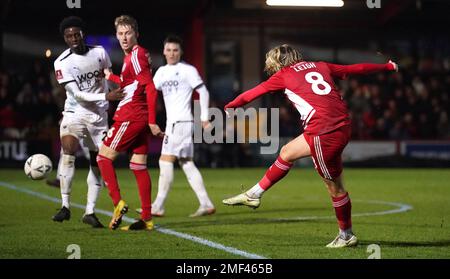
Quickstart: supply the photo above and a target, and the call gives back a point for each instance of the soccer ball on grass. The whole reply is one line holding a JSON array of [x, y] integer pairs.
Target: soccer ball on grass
[[38, 166]]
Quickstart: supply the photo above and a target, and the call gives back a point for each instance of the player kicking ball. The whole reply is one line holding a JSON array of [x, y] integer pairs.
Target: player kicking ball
[[326, 123]]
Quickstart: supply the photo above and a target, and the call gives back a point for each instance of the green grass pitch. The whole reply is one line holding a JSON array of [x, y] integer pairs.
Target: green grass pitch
[[295, 219]]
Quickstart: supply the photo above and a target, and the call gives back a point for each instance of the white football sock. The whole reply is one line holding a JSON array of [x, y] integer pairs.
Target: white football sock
[[58, 171], [164, 183], [255, 192], [67, 171], [94, 182], [196, 181]]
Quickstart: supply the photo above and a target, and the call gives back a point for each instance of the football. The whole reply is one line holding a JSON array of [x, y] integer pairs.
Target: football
[[38, 166]]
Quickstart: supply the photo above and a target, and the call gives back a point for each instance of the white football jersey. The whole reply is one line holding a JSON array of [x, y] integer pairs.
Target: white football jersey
[[87, 71], [177, 82]]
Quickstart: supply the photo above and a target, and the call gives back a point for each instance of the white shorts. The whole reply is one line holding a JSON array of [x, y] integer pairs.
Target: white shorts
[[178, 139], [89, 129]]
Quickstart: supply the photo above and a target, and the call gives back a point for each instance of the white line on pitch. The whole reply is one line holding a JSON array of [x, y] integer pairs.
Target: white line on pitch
[[186, 236], [401, 207]]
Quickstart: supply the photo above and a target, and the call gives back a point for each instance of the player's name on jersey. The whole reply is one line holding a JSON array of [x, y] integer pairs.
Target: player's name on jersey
[[304, 66]]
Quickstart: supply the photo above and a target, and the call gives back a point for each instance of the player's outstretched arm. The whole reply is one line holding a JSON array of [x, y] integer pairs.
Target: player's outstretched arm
[[247, 97], [114, 95], [363, 68], [109, 75]]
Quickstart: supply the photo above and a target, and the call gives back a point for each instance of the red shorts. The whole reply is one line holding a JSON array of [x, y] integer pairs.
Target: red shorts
[[326, 151], [131, 136]]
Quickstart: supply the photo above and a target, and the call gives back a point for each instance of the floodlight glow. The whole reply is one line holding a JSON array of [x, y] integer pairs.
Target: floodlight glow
[[306, 3]]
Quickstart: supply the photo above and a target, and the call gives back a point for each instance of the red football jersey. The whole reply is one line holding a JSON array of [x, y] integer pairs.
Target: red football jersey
[[135, 77], [311, 89]]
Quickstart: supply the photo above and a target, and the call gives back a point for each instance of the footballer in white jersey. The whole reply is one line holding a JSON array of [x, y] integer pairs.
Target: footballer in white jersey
[[177, 80], [80, 69], [85, 110], [86, 71], [177, 83]]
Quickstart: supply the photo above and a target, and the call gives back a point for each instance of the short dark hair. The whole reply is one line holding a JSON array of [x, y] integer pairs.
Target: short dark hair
[[71, 21], [174, 39]]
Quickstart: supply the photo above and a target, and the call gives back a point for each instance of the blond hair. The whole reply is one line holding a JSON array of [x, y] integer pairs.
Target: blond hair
[[126, 20], [280, 57]]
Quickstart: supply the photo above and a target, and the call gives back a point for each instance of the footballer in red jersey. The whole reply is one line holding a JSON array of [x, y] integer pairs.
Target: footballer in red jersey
[[325, 119], [134, 115]]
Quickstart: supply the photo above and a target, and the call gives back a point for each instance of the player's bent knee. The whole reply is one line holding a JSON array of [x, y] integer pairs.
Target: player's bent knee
[[69, 144], [286, 154], [107, 152], [168, 158], [139, 158], [335, 189]]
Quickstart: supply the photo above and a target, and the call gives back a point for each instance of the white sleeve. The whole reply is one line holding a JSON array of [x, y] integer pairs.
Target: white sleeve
[[72, 88], [193, 77], [106, 60], [62, 73], [157, 79], [204, 102]]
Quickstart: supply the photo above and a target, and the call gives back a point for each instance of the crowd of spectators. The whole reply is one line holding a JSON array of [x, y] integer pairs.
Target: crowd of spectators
[[411, 104], [30, 104]]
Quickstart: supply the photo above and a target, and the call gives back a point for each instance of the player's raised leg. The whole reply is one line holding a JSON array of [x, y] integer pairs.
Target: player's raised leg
[[294, 150]]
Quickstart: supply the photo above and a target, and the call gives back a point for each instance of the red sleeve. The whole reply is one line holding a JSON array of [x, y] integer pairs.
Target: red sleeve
[[275, 82], [342, 71], [152, 95], [247, 97], [141, 66], [115, 78], [140, 60]]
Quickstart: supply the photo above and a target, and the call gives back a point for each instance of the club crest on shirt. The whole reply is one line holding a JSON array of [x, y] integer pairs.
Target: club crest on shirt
[[58, 74]]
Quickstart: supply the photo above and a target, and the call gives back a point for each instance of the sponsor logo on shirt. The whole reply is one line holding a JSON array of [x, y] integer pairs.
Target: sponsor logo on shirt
[[170, 85], [87, 80]]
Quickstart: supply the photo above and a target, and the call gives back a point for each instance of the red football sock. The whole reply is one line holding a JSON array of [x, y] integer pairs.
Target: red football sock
[[343, 208], [145, 186], [277, 171], [109, 176]]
